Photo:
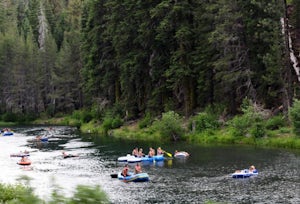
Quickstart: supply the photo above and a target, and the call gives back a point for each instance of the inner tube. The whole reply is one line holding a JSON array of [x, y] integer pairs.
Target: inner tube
[[44, 139], [7, 133], [24, 163], [69, 156], [181, 155], [20, 155]]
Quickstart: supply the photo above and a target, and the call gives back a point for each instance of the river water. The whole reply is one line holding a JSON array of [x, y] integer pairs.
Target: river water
[[203, 177]]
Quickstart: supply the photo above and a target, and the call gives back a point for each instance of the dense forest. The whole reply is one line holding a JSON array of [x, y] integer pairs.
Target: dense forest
[[57, 56]]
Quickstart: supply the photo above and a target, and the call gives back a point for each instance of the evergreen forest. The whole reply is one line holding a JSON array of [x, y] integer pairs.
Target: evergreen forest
[[138, 57]]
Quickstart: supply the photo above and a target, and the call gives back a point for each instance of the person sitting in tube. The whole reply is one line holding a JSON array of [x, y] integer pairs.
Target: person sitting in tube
[[140, 153], [135, 152], [65, 155], [24, 159], [138, 168], [252, 168], [159, 151], [151, 152], [125, 171]]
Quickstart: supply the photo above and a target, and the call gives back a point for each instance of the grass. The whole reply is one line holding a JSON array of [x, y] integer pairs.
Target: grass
[[6, 124], [21, 194]]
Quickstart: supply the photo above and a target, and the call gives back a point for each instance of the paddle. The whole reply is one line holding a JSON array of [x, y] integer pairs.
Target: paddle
[[167, 153]]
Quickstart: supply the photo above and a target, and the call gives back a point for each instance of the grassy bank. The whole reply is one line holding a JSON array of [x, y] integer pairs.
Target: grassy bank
[[6, 124], [203, 128], [22, 194], [251, 127]]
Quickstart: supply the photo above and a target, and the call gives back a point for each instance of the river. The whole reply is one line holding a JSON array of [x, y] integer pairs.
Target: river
[[203, 177]]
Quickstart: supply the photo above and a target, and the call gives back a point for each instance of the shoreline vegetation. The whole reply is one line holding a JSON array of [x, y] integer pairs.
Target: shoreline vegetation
[[252, 127], [21, 193]]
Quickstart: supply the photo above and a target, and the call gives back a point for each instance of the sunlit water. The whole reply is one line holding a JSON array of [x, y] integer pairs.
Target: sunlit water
[[203, 177]]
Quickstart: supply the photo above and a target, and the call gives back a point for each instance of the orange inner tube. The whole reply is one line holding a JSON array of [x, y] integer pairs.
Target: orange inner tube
[[24, 163]]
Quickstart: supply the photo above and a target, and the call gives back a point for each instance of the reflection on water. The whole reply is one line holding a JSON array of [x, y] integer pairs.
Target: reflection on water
[[204, 176]]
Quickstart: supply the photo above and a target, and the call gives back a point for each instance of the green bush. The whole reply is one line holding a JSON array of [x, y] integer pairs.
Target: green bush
[[88, 195], [295, 117], [18, 117], [258, 130], [146, 121], [249, 123], [276, 122], [107, 124], [84, 116], [111, 123], [285, 130], [239, 126], [9, 117], [202, 122], [17, 194], [169, 126], [116, 122]]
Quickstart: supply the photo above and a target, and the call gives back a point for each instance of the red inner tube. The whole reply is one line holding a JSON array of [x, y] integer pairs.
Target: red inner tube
[[24, 163]]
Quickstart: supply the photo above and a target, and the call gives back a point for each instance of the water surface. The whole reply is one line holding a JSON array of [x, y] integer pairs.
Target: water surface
[[203, 177]]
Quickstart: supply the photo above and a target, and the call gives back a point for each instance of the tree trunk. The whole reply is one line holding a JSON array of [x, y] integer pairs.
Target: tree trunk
[[286, 72]]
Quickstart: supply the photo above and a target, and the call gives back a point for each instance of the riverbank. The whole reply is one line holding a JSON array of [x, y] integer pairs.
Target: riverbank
[[282, 137], [253, 126], [6, 124]]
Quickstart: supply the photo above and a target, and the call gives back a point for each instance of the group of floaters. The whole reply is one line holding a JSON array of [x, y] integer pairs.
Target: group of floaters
[[25, 161], [138, 152], [138, 156], [136, 176]]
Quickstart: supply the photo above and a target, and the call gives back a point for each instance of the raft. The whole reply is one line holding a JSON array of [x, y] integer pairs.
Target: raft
[[141, 177], [124, 158], [159, 157], [44, 139], [245, 173], [69, 156], [5, 133], [129, 158], [154, 158], [132, 159]]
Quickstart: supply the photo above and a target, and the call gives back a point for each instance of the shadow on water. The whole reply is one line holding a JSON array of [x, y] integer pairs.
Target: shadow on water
[[204, 176]]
